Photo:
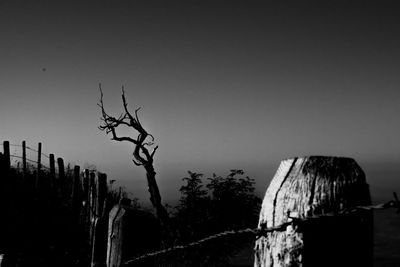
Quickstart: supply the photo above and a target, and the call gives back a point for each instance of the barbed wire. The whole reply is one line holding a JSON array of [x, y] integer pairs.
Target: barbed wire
[[263, 231], [30, 160], [31, 149]]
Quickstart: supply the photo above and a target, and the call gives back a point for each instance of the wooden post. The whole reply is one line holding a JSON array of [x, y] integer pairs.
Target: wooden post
[[92, 194], [61, 172], [101, 193], [1, 163], [308, 186], [24, 157], [86, 199], [39, 166], [86, 186], [92, 205], [6, 155], [99, 245], [115, 236], [52, 172], [131, 233], [76, 194]]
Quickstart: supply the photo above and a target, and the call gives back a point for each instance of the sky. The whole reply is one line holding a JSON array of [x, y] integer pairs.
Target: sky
[[221, 84]]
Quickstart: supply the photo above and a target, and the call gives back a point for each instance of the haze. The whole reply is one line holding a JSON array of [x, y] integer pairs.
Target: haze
[[222, 84]]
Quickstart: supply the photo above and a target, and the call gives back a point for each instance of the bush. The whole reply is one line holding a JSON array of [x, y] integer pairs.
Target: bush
[[224, 203]]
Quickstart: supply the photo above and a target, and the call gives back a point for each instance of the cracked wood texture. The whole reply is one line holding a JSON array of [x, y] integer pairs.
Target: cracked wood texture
[[316, 185]]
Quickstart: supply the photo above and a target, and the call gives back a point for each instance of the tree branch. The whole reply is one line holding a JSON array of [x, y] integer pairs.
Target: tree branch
[[110, 124]]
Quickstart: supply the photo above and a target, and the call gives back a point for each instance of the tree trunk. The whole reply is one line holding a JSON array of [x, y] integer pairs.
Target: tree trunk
[[308, 186], [161, 212]]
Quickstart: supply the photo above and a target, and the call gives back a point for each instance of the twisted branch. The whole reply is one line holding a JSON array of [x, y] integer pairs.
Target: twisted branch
[[141, 154]]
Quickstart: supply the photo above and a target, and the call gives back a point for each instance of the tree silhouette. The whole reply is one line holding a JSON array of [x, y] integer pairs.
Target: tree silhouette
[[141, 155], [224, 203]]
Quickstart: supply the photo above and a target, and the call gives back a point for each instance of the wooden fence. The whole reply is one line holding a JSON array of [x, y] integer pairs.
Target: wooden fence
[[95, 229], [63, 204]]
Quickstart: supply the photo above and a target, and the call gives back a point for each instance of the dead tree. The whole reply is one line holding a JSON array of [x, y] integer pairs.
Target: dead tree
[[141, 155]]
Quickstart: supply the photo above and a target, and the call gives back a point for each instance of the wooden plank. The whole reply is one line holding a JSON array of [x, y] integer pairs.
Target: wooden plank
[[308, 186]]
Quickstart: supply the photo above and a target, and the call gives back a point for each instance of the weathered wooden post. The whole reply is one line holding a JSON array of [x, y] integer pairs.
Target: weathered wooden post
[[76, 194], [101, 193], [86, 185], [316, 185], [92, 194], [61, 173], [92, 204], [52, 172], [86, 201], [6, 156], [131, 233], [39, 161], [24, 157], [39, 167], [99, 247]]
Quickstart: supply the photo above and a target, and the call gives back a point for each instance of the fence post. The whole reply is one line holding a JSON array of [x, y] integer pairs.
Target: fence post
[[92, 206], [86, 186], [61, 172], [308, 186], [6, 155], [131, 232], [76, 194], [39, 166], [52, 172], [86, 199], [99, 246], [24, 157], [101, 193]]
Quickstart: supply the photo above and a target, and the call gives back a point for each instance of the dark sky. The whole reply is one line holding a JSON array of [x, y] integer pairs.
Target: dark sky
[[222, 84]]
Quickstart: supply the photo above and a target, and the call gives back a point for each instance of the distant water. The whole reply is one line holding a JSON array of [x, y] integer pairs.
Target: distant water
[[386, 239]]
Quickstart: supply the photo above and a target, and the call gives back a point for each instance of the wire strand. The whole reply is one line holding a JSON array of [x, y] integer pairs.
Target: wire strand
[[263, 231]]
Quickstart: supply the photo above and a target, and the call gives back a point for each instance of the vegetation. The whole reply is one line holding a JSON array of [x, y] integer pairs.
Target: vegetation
[[224, 203]]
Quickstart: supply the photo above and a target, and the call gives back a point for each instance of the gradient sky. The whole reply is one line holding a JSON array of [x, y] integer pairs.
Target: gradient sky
[[222, 84]]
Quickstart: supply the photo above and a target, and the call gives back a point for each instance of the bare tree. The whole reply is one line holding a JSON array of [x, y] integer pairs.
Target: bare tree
[[141, 154]]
